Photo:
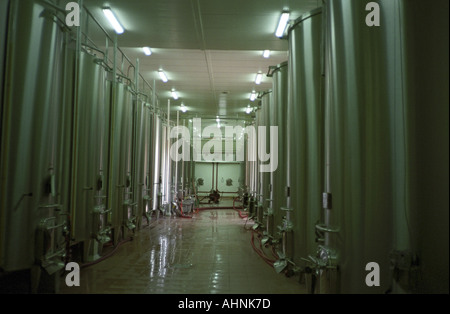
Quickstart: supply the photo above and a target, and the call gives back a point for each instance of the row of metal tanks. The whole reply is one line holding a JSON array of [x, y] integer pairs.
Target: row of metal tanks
[[82, 151], [362, 177]]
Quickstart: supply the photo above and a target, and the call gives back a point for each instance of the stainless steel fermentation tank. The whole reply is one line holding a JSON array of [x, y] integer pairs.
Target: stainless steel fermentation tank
[[3, 35], [166, 169], [266, 183], [80, 149], [90, 152], [187, 172], [181, 172], [122, 201], [143, 181], [34, 120], [386, 122], [96, 214], [156, 153], [278, 118], [251, 161], [425, 31], [358, 97], [262, 129], [304, 169]]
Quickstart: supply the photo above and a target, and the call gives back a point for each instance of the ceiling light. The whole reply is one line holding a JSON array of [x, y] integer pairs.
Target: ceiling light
[[174, 94], [253, 96], [248, 110], [113, 20], [266, 54], [284, 18], [258, 78], [163, 76], [147, 51], [183, 108], [217, 119]]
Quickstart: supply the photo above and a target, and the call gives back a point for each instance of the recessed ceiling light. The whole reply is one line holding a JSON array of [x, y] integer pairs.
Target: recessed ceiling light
[[147, 51], [266, 54], [258, 78], [284, 18], [113, 20], [163, 76]]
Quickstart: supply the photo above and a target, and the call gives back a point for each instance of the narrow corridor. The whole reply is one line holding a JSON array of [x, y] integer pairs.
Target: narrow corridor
[[210, 253]]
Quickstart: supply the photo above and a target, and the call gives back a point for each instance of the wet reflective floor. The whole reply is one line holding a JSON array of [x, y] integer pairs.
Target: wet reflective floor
[[210, 253]]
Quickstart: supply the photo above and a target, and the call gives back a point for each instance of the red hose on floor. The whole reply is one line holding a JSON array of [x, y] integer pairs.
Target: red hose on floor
[[181, 211], [262, 251], [242, 216], [265, 259], [275, 254], [237, 209]]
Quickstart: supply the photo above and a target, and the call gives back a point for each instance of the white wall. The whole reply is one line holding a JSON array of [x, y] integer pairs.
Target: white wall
[[233, 171]]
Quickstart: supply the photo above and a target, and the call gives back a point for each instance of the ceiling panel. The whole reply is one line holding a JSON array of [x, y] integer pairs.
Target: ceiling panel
[[206, 47]]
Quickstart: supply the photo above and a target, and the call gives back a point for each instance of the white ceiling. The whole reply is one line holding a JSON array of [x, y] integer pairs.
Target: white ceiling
[[210, 50]]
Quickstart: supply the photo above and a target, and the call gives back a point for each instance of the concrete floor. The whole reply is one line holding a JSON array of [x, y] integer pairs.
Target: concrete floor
[[208, 254]]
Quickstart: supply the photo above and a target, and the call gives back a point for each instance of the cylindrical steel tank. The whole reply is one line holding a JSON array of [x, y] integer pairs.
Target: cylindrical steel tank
[[33, 206], [266, 105], [425, 30], [4, 5], [164, 166], [305, 133], [387, 121], [263, 132], [251, 157], [156, 152], [186, 172], [278, 116], [263, 143], [258, 122], [90, 156], [256, 175], [142, 183], [120, 195], [187, 168], [358, 143]]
